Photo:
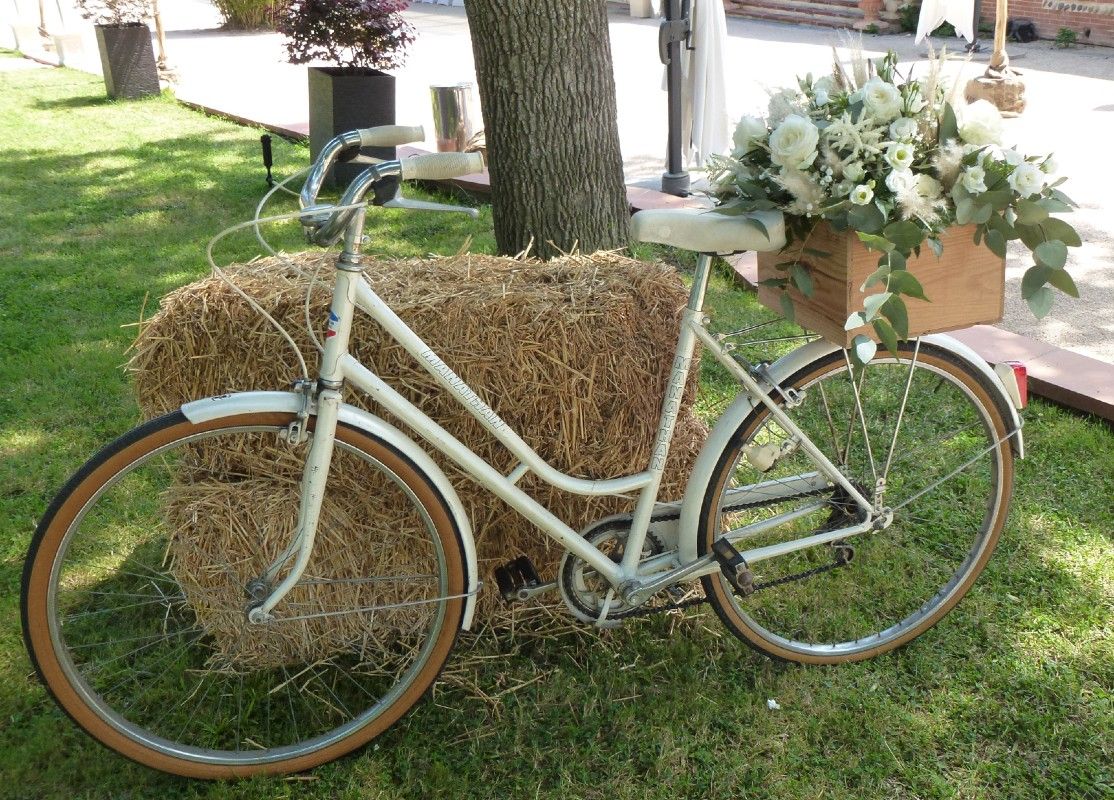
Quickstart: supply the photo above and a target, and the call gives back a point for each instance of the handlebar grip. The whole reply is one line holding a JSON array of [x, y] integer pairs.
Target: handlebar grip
[[438, 166], [390, 135]]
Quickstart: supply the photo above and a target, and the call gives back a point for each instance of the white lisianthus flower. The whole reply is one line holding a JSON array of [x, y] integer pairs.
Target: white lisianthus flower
[[980, 123], [822, 90], [899, 155], [862, 194], [881, 100], [974, 180], [793, 144], [928, 187], [1011, 157], [900, 180], [748, 131], [903, 129], [854, 171], [1026, 179], [1049, 166]]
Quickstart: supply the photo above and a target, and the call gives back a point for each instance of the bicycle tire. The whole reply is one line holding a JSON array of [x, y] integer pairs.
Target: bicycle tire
[[813, 606], [134, 608]]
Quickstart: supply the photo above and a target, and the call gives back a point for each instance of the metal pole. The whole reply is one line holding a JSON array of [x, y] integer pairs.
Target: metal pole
[[672, 34]]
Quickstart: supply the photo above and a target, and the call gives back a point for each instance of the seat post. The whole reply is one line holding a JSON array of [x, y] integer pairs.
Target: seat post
[[700, 282]]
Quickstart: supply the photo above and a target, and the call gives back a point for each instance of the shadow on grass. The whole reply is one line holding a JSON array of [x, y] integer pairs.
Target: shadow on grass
[[74, 102]]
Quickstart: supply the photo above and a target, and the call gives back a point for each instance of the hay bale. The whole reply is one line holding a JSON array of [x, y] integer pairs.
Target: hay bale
[[574, 354]]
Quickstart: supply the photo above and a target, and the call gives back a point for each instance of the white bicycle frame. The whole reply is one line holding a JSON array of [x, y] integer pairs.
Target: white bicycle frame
[[633, 579]]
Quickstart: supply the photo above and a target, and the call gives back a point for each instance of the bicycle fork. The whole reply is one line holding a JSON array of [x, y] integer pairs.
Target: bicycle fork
[[328, 400]]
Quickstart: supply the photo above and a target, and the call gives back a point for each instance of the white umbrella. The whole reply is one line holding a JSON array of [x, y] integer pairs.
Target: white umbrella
[[934, 13], [704, 122]]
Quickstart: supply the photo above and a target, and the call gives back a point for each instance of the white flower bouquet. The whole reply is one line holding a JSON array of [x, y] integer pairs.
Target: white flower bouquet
[[893, 161]]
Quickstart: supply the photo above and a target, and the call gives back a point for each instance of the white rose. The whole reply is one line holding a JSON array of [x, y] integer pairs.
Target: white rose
[[899, 155], [900, 180], [822, 90], [793, 144], [974, 180], [881, 100], [1026, 179], [903, 129], [980, 123], [929, 187], [748, 131], [854, 171], [862, 194]]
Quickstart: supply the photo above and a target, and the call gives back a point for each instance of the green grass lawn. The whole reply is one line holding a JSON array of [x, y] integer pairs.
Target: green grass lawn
[[107, 206]]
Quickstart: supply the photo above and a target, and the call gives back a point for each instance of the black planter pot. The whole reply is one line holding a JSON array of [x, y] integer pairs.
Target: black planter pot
[[127, 60], [344, 99]]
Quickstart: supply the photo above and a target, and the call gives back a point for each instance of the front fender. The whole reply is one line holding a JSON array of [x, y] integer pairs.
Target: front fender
[[245, 402], [787, 365]]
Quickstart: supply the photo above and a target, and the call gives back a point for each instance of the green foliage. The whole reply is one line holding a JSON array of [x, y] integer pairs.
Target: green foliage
[[251, 14], [908, 16], [1065, 37]]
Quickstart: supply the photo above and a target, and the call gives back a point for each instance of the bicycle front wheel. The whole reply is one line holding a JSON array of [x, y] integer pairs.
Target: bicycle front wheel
[[138, 581], [924, 432]]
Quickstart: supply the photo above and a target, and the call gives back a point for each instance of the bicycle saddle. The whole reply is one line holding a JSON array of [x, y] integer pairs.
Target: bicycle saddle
[[705, 231]]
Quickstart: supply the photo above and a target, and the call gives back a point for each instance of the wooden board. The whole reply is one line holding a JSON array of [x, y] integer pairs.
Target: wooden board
[[965, 286]]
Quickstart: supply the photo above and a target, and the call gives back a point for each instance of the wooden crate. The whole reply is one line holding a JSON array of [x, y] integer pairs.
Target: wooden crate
[[965, 286]]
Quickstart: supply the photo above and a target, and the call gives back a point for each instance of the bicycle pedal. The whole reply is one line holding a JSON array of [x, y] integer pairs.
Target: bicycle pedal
[[516, 578], [733, 566]]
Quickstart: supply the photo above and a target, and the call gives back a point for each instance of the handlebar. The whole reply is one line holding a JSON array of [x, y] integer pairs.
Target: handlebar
[[325, 223]]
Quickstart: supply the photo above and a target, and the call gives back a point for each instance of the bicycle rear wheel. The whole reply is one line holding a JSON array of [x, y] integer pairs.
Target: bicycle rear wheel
[[138, 579], [932, 430]]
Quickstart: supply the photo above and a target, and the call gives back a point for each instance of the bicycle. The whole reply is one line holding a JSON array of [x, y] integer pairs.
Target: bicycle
[[835, 512]]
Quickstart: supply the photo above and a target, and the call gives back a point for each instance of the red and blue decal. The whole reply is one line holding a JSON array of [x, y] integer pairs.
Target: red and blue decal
[[331, 330]]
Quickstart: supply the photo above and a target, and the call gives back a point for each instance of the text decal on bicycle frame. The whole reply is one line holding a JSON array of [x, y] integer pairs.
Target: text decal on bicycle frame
[[457, 384], [331, 330], [669, 416]]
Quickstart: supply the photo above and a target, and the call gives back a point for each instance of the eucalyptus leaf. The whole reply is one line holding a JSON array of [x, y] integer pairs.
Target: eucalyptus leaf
[[873, 303], [887, 334], [864, 348], [905, 235], [1053, 205], [964, 210], [1058, 229], [1063, 198], [1030, 235], [936, 245], [998, 222], [1034, 278], [777, 283], [1029, 213], [949, 125], [999, 198], [867, 219], [895, 311], [980, 215], [787, 309], [1040, 302], [802, 278], [878, 276], [875, 242], [996, 242], [812, 251], [906, 283], [893, 260], [1053, 253], [1064, 282], [856, 320], [757, 225]]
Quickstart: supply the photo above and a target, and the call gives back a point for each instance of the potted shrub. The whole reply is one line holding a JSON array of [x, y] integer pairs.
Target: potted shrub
[[124, 41], [359, 39]]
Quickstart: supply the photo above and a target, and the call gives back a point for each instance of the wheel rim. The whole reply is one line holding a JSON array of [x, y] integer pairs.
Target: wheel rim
[[215, 688], [904, 578]]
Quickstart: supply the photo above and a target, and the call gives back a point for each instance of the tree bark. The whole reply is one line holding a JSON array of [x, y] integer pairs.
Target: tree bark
[[548, 92]]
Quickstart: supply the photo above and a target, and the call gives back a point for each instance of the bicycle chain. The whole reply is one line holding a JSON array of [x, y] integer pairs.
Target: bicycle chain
[[758, 587]]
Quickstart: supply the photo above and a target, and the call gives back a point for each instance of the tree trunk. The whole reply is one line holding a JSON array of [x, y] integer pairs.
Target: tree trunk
[[548, 93]]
